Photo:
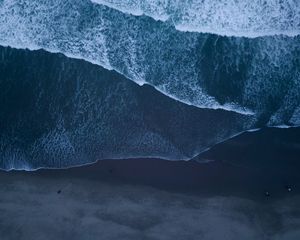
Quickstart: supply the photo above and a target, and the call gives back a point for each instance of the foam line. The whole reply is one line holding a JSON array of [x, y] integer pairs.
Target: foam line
[[242, 18], [203, 70]]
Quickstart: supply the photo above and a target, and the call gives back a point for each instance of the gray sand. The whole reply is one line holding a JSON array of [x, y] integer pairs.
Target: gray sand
[[32, 207]]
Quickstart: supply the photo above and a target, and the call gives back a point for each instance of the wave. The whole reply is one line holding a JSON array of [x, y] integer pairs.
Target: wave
[[58, 112], [242, 18], [251, 76]]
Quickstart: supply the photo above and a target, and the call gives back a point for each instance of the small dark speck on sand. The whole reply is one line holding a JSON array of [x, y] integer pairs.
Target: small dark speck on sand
[[59, 192]]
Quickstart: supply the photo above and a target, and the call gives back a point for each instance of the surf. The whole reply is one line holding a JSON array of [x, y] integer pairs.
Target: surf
[[242, 18]]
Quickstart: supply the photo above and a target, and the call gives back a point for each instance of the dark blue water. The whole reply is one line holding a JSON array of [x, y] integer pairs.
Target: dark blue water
[[60, 112], [202, 77]]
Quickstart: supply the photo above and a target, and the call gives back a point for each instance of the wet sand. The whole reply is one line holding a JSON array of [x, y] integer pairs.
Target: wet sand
[[216, 178], [158, 199]]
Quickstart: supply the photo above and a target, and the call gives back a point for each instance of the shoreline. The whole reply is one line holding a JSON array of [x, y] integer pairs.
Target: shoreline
[[155, 199], [211, 179], [247, 165]]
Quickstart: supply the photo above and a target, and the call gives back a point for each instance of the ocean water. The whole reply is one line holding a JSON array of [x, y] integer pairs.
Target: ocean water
[[59, 112], [222, 17], [129, 79]]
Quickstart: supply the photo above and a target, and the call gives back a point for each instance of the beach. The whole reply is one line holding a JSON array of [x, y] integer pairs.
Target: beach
[[157, 199]]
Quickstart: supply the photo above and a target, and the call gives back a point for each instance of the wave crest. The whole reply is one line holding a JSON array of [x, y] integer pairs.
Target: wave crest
[[251, 76], [249, 18]]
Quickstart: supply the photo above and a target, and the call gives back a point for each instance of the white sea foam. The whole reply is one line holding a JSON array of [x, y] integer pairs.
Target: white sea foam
[[150, 52], [295, 119], [249, 18]]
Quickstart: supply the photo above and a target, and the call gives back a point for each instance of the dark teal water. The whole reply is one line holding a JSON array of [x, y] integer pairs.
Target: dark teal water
[[59, 112]]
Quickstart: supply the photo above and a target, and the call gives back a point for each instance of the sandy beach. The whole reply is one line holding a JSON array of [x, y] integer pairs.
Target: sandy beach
[[158, 199], [86, 203], [150, 120]]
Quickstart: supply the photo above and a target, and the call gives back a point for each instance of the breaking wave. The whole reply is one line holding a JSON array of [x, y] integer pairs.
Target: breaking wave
[[236, 63], [250, 76], [248, 18], [58, 112]]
